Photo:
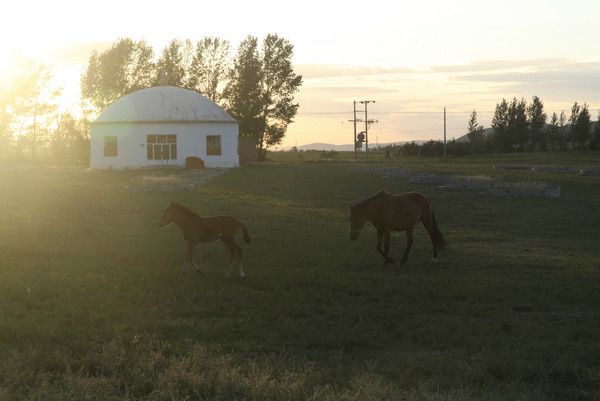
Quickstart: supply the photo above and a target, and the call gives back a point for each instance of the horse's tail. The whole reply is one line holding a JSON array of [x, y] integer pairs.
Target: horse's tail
[[245, 233], [436, 235], [438, 239]]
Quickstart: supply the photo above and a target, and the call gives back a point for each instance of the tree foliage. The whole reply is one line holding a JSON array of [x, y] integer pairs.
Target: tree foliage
[[261, 89], [124, 68], [502, 141], [536, 120], [32, 102], [174, 66], [475, 130], [71, 139], [243, 92], [580, 126], [209, 67]]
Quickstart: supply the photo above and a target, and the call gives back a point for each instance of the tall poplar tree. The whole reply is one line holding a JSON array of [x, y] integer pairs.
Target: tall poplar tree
[[501, 140], [124, 68], [174, 65], [475, 131], [209, 66], [518, 130], [268, 74], [536, 119]]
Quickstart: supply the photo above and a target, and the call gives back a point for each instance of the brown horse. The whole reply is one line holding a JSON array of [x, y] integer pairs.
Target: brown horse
[[198, 229], [398, 212]]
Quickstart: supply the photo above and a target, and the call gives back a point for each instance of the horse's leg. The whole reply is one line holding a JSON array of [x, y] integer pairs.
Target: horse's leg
[[189, 256], [197, 268], [380, 232], [386, 247], [239, 261], [229, 245], [409, 241]]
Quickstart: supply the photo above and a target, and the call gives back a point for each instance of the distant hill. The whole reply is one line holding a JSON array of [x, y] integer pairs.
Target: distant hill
[[486, 132], [345, 147]]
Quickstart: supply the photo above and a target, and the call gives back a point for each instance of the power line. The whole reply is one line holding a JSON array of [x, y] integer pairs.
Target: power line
[[423, 112]]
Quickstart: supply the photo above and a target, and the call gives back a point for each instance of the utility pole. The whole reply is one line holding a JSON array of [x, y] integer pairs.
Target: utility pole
[[367, 123], [354, 121], [444, 134]]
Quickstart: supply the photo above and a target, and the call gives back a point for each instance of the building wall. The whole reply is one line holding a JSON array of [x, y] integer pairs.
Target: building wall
[[191, 141]]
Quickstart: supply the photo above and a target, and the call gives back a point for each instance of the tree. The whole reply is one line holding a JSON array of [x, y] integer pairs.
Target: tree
[[580, 126], [575, 110], [70, 139], [518, 129], [552, 132], [595, 140], [536, 119], [261, 90], [209, 67], [279, 85], [174, 66], [501, 140], [124, 68], [475, 131], [563, 132], [243, 91], [33, 102]]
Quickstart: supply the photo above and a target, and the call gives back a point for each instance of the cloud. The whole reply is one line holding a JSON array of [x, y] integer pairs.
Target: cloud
[[560, 80], [486, 66], [78, 53], [315, 71]]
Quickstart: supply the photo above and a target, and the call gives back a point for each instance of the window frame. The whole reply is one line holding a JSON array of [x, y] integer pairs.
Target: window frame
[[161, 147], [111, 146], [213, 150]]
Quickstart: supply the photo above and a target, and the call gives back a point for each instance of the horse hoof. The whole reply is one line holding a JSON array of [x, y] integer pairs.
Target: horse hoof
[[434, 261]]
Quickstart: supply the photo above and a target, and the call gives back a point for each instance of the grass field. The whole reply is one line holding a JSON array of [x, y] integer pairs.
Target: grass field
[[93, 306]]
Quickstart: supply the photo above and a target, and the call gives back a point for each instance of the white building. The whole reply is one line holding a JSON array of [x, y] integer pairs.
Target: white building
[[163, 126]]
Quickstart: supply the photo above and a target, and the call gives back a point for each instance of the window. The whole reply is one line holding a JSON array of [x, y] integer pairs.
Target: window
[[110, 146], [161, 147], [213, 145]]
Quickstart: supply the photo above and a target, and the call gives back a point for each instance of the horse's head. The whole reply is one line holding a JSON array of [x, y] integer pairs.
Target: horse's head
[[167, 217], [357, 220]]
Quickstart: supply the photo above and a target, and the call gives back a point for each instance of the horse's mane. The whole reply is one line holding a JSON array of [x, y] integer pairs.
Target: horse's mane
[[184, 209], [376, 196]]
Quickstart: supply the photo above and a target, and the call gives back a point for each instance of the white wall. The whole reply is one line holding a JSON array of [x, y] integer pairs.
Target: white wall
[[191, 141]]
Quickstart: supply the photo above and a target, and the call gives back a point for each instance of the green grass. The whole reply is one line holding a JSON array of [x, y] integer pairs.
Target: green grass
[[92, 304]]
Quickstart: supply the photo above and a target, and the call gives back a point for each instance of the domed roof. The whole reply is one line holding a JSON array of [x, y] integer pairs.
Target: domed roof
[[164, 103]]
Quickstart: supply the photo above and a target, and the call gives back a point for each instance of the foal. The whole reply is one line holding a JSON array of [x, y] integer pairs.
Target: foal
[[198, 229]]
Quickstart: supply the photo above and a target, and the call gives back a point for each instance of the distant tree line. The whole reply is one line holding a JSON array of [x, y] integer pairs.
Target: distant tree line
[[518, 126], [31, 125], [256, 86]]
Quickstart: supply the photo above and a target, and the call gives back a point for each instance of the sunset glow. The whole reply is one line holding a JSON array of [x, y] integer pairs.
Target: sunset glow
[[409, 57]]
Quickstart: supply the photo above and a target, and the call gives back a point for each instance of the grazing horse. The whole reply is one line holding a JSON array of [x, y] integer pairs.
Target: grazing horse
[[198, 229], [396, 212]]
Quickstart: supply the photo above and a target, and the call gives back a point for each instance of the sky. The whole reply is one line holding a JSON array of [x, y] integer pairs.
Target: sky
[[412, 58]]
